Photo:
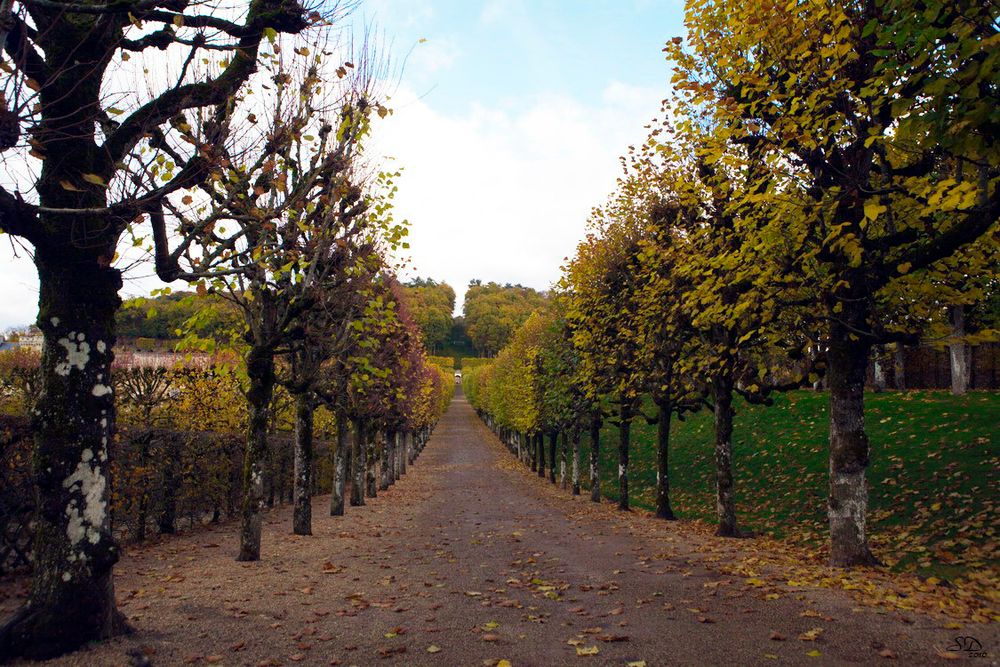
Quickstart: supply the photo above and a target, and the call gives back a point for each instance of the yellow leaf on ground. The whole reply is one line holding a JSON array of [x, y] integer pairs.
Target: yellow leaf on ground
[[587, 650], [433, 649]]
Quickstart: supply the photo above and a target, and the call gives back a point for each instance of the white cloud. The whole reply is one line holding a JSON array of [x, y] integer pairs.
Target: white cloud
[[504, 194]]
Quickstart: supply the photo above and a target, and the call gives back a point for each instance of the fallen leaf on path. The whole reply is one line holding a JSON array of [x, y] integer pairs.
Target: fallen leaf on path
[[777, 636], [433, 649], [888, 653], [811, 635], [613, 638], [587, 650], [814, 653]]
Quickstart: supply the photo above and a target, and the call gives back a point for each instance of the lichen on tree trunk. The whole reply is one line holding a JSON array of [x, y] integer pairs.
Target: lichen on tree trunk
[[72, 598], [302, 512], [576, 461]]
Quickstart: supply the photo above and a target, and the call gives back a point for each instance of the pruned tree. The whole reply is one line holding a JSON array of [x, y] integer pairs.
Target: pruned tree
[[83, 164]]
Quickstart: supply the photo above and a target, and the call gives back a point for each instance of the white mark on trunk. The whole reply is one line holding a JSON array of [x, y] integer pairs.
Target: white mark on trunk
[[621, 470], [100, 390], [77, 354], [102, 347], [86, 522], [849, 500], [55, 321], [66, 575]]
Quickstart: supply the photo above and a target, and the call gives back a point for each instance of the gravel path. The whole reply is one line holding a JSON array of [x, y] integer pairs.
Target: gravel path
[[471, 560]]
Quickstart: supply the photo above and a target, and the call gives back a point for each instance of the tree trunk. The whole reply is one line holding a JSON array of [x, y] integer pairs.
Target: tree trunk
[[385, 477], [663, 509], [533, 451], [167, 519], [302, 513], [372, 460], [553, 445], [72, 598], [958, 352], [878, 372], [405, 444], [624, 433], [414, 444], [540, 447], [595, 460], [576, 461], [849, 451], [563, 480], [341, 455], [899, 367], [725, 500], [260, 374], [358, 467]]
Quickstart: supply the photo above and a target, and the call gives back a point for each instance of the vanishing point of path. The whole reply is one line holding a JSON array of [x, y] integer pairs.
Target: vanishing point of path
[[470, 560]]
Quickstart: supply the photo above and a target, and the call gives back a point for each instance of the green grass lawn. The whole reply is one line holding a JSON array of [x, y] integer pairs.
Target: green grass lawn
[[933, 475]]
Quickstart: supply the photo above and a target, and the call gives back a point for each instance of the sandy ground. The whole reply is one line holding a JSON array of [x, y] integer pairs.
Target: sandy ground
[[471, 560]]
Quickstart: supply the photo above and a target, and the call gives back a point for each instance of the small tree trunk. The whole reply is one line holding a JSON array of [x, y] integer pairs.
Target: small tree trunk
[[595, 460], [563, 479], [167, 520], [260, 373], [878, 372], [302, 512], [404, 452], [358, 462], [553, 445], [624, 432], [414, 444], [958, 352], [385, 474], [663, 509], [540, 447], [341, 455], [372, 459], [725, 501], [576, 461], [533, 451], [849, 450], [899, 367]]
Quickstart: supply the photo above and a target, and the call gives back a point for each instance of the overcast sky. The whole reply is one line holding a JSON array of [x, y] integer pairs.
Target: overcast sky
[[508, 122]]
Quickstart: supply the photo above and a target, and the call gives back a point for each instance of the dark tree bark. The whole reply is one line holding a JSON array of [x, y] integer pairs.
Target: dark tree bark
[[563, 479], [576, 461], [553, 445], [371, 458], [848, 506], [302, 512], [169, 481], [624, 434], [663, 509], [595, 460], [407, 442], [260, 374], [385, 471], [899, 367], [725, 500], [540, 447], [358, 467], [533, 451], [341, 454]]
